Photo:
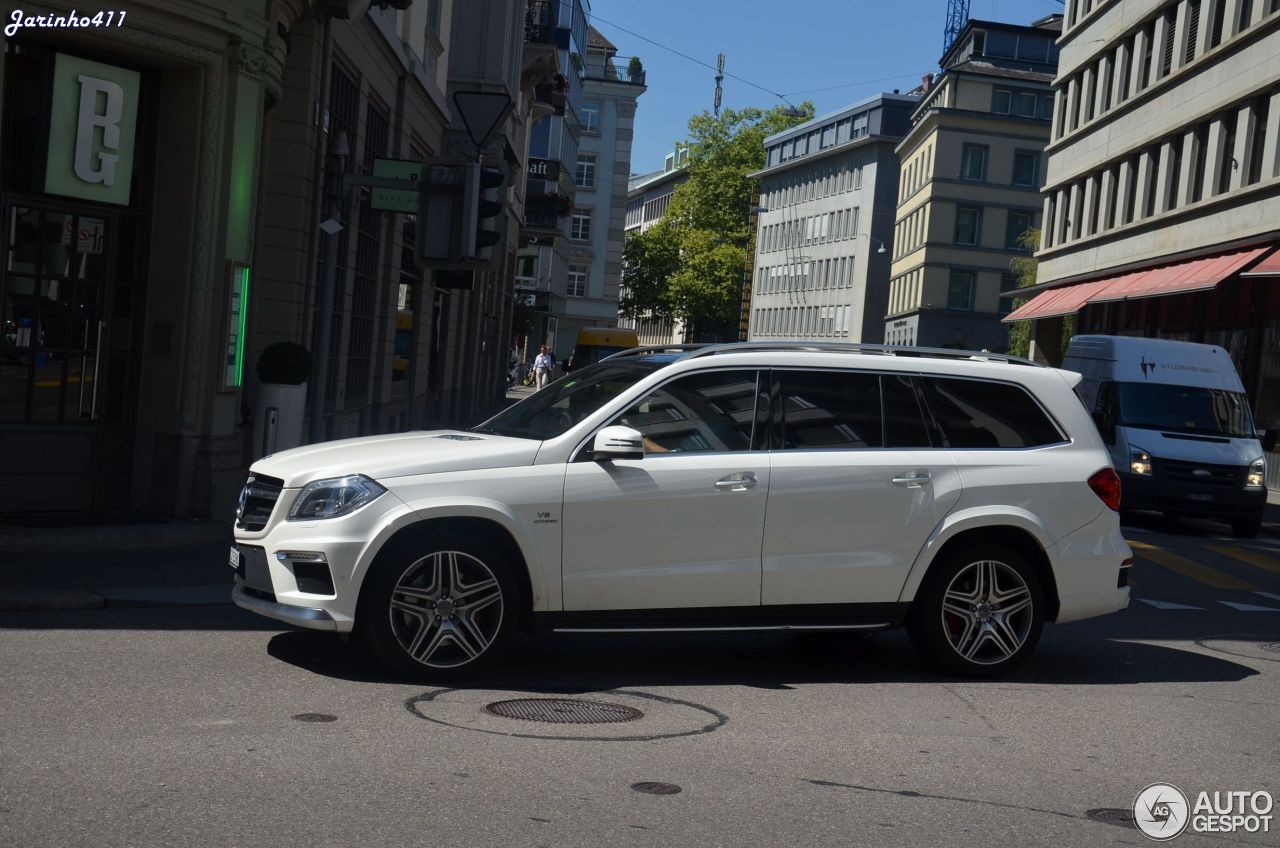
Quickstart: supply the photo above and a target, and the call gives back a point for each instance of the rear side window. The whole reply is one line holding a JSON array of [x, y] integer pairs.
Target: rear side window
[[983, 414], [830, 409], [904, 419]]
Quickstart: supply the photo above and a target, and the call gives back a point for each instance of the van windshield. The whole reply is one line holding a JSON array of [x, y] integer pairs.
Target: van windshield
[[564, 403], [1184, 409]]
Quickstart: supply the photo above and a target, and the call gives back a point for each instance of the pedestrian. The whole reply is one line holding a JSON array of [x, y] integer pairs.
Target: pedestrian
[[542, 366]]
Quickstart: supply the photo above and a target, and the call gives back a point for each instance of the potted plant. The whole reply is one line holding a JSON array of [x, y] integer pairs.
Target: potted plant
[[635, 70], [283, 371]]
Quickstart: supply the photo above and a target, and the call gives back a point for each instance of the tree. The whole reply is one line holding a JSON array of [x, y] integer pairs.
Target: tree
[[1025, 270], [689, 266]]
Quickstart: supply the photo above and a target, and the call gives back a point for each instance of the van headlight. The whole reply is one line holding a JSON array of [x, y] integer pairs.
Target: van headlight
[[1255, 478], [334, 497], [1139, 461]]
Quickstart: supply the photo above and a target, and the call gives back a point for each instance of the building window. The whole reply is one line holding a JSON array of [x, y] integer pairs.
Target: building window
[[577, 281], [967, 221], [960, 290], [861, 125], [1001, 101], [1018, 223], [585, 176], [527, 270], [590, 117], [580, 227], [973, 162], [1026, 168]]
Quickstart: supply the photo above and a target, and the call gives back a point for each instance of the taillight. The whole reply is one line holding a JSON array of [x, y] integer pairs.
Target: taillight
[[1106, 484]]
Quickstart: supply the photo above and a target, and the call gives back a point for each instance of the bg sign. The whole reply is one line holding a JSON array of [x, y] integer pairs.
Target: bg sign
[[93, 119]]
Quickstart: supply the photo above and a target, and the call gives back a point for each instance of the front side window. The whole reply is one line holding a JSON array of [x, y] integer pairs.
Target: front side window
[[585, 175], [986, 414], [830, 410], [973, 162], [590, 117], [967, 218], [580, 227], [707, 411]]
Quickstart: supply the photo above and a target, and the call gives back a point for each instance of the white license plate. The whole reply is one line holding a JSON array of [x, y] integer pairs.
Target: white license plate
[[235, 557], [1195, 496]]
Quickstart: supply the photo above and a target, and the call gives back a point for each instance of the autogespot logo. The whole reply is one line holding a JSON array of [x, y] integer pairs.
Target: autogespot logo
[[1161, 811]]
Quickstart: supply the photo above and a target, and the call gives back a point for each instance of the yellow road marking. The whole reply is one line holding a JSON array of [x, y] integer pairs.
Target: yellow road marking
[[1247, 555], [1188, 568]]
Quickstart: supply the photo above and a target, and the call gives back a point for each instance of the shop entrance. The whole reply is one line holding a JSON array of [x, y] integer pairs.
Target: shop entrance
[[70, 310]]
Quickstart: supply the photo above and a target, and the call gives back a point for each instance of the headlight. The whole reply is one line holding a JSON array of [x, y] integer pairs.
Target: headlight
[[1139, 461], [1255, 478], [334, 497]]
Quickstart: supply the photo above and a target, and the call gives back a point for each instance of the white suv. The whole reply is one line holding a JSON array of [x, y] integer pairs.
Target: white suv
[[733, 487]]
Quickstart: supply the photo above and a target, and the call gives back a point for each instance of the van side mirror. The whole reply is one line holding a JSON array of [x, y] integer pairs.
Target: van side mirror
[[618, 442], [1105, 428], [1268, 438]]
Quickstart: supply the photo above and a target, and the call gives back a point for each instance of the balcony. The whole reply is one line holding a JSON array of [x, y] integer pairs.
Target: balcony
[[550, 28], [623, 69], [549, 98]]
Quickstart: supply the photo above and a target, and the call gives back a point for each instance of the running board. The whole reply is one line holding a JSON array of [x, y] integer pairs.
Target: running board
[[754, 619], [757, 628]]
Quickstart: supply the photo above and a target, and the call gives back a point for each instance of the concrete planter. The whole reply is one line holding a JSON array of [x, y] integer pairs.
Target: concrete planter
[[278, 417]]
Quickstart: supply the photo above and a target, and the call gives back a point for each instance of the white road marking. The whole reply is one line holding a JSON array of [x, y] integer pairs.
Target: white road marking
[[1248, 607], [1166, 605]]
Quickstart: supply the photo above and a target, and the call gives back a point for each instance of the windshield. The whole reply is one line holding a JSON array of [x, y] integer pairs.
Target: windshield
[[1184, 409], [564, 403]]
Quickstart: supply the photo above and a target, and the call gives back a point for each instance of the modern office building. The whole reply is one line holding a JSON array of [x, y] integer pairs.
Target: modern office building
[[828, 191], [648, 197], [163, 231], [610, 87], [972, 167], [1162, 201]]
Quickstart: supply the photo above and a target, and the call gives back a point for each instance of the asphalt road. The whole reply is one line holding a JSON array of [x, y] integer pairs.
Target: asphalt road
[[181, 727]]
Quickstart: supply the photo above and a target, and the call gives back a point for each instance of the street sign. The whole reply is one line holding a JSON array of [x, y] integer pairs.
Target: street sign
[[394, 199], [481, 112], [544, 169]]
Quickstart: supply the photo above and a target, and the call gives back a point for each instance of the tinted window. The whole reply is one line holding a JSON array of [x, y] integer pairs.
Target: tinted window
[[1185, 409], [710, 411], [830, 409], [981, 414], [904, 421]]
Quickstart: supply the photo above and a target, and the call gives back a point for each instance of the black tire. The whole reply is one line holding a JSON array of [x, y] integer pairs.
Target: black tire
[[1246, 529], [933, 630], [462, 636]]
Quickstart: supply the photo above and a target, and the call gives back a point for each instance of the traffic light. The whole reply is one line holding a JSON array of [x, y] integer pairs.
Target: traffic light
[[436, 228], [480, 202]]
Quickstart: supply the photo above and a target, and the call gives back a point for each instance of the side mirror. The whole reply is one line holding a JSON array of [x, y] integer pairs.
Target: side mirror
[[618, 443], [1105, 427], [1268, 439]]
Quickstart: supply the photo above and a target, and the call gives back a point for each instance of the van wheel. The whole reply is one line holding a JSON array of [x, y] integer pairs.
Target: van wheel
[[1246, 529], [440, 609], [979, 612]]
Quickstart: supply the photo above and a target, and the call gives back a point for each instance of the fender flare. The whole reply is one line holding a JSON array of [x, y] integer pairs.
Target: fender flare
[[973, 518]]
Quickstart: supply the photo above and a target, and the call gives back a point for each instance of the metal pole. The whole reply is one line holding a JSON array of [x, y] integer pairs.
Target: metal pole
[[324, 333]]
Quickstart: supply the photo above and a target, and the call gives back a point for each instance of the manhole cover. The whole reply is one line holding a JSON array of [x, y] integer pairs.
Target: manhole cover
[[1243, 646], [563, 711], [652, 787], [315, 717], [1113, 815]]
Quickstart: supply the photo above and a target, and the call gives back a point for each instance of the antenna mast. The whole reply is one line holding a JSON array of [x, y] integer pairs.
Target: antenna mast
[[719, 80]]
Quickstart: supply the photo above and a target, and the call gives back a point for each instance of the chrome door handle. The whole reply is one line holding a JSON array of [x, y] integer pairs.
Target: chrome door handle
[[915, 480], [739, 482]]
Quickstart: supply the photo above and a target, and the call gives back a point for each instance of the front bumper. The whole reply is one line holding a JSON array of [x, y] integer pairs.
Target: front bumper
[[1201, 500], [314, 619]]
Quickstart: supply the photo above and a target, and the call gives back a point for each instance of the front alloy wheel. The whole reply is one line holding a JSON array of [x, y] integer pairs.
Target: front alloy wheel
[[439, 613], [979, 613]]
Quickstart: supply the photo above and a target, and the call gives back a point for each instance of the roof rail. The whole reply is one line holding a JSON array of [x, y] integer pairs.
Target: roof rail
[[851, 347], [648, 349]]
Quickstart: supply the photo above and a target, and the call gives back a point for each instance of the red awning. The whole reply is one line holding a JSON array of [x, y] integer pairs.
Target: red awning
[[1269, 267], [1181, 277]]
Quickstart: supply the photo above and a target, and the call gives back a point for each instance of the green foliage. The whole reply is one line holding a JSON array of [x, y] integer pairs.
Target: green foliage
[[689, 266], [1025, 269], [288, 363], [635, 68]]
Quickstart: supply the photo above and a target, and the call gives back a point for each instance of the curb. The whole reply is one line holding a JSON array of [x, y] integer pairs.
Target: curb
[[141, 597]]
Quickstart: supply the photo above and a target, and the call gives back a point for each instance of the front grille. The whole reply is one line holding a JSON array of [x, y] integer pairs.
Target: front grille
[[1217, 475], [257, 500], [313, 578]]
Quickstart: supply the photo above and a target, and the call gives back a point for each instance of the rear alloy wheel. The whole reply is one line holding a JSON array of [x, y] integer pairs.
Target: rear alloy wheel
[[979, 613], [441, 614]]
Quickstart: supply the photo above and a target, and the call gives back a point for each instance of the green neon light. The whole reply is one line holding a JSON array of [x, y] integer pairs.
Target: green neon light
[[244, 314]]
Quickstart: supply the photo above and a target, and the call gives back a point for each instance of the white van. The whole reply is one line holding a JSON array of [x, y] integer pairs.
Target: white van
[[1176, 420]]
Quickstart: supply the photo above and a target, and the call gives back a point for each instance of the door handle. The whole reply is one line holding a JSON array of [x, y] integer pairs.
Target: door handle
[[739, 482], [913, 480]]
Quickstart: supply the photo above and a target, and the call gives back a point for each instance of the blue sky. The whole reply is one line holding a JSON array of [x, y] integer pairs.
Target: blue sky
[[786, 46]]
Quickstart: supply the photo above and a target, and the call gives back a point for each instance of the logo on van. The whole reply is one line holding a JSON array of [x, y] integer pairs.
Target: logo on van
[[1146, 366]]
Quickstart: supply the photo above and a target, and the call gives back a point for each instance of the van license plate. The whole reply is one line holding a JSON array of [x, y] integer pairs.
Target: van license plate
[[235, 557], [1196, 496]]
